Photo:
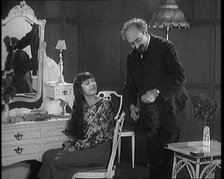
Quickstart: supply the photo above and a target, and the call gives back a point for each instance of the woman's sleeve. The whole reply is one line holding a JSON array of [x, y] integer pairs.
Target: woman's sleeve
[[102, 130]]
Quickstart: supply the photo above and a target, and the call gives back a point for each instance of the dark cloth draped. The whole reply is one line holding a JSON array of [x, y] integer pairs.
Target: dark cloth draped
[[31, 38], [22, 74]]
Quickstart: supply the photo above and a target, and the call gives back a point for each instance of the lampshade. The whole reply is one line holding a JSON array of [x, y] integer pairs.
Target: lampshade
[[61, 45], [168, 15]]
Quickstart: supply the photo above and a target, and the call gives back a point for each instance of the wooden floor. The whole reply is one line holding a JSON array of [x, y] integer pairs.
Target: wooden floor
[[125, 170]]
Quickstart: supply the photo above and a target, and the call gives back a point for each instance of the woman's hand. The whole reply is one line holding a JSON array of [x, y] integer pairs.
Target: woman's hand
[[66, 145], [71, 149]]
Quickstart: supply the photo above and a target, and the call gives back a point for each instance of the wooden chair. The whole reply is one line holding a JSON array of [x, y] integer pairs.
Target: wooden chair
[[125, 133], [108, 172]]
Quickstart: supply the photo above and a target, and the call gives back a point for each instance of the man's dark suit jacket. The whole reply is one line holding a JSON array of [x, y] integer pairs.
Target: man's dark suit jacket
[[159, 68]]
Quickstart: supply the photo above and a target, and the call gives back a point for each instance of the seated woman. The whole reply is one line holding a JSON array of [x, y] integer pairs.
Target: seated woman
[[91, 128]]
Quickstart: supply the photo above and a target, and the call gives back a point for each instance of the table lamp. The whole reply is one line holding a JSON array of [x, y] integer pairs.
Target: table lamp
[[61, 46], [167, 16]]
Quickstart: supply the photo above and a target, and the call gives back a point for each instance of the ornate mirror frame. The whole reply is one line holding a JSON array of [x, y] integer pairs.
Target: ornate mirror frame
[[24, 11]]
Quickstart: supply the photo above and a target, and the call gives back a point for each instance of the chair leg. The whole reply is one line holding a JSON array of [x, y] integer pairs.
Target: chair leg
[[133, 151], [119, 150]]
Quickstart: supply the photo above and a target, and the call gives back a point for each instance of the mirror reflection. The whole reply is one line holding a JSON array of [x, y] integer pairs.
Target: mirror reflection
[[22, 36], [20, 56]]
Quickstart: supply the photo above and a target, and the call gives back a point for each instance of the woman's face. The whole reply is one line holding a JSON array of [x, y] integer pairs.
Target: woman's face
[[89, 87]]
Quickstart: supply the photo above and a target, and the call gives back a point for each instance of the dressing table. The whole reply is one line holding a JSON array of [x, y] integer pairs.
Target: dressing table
[[29, 140], [24, 139]]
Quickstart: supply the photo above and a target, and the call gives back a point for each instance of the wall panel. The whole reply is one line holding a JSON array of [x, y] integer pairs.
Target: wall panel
[[54, 9], [218, 55], [70, 59], [219, 12], [99, 10], [101, 54], [52, 34], [71, 9], [142, 9], [202, 9], [194, 48]]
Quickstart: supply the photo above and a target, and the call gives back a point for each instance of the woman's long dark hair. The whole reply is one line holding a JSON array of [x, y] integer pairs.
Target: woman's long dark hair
[[75, 124]]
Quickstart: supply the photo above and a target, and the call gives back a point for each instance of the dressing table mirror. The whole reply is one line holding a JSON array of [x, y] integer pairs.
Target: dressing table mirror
[[28, 133], [23, 51]]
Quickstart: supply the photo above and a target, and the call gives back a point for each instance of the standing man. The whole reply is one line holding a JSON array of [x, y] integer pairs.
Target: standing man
[[157, 79]]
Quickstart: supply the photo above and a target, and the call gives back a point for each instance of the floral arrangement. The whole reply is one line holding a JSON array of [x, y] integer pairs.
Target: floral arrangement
[[204, 109], [8, 91]]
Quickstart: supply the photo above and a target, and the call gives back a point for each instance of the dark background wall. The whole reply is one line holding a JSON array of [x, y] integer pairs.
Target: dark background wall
[[91, 30]]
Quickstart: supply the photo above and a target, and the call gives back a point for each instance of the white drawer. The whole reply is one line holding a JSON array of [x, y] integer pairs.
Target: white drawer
[[54, 131], [59, 91], [64, 90], [21, 150], [54, 144], [21, 134]]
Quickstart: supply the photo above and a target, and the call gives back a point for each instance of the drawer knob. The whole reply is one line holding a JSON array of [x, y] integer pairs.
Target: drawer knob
[[18, 150], [65, 92], [18, 136]]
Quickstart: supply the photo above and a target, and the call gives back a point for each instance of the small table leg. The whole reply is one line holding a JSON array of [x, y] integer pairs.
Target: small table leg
[[174, 174], [197, 168], [133, 151]]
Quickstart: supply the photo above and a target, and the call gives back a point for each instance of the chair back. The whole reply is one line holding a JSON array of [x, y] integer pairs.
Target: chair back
[[116, 139], [111, 95], [108, 172]]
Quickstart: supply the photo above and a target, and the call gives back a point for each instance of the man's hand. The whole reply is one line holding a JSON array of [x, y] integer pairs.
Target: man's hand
[[134, 112], [150, 96]]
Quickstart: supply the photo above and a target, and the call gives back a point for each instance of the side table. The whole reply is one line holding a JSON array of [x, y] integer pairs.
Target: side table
[[201, 161]]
